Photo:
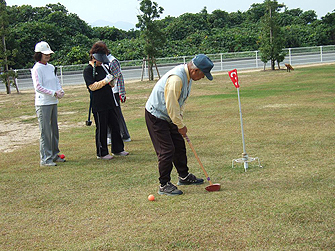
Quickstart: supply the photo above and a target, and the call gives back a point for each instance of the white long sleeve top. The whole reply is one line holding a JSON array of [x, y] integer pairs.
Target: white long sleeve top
[[46, 83]]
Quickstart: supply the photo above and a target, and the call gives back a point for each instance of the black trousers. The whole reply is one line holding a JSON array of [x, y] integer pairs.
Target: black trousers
[[169, 145], [122, 123], [103, 120]]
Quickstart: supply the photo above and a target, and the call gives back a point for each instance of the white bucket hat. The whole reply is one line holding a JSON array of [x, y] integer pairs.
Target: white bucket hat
[[43, 47]]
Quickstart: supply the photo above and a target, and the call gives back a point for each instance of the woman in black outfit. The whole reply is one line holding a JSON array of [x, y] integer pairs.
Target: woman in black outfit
[[99, 82]]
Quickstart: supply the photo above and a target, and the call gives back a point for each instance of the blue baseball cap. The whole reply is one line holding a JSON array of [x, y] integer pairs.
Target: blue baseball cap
[[204, 64]]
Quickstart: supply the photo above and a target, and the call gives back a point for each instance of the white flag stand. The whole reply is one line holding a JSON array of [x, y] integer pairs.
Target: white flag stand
[[245, 158]]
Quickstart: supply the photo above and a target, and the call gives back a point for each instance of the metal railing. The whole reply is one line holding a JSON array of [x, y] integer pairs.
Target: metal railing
[[133, 69]]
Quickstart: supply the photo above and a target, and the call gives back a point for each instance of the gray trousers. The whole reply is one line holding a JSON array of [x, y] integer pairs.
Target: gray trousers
[[47, 118]]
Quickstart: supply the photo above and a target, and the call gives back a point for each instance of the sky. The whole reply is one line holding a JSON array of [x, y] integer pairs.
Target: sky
[[127, 10]]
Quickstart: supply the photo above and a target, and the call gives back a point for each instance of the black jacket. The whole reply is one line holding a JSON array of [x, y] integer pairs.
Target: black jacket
[[102, 99]]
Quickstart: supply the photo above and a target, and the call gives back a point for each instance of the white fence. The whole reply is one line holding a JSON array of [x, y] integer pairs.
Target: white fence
[[132, 69]]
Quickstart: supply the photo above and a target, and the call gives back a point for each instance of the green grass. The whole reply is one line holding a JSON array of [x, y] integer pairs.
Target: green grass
[[87, 204]]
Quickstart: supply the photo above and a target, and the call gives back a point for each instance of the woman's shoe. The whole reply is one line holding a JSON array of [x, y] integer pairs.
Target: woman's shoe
[[106, 157]]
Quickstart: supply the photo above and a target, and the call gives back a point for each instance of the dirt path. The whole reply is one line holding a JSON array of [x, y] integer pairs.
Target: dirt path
[[15, 135]]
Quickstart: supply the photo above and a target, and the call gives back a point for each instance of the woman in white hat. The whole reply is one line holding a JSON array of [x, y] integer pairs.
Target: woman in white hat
[[47, 92]]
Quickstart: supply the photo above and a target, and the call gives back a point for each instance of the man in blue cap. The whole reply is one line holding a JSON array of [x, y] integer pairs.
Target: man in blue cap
[[164, 119]]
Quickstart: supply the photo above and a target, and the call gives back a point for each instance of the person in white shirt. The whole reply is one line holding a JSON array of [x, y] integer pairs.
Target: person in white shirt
[[48, 91]]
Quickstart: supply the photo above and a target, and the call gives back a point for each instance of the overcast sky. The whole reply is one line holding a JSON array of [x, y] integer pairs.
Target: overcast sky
[[127, 10]]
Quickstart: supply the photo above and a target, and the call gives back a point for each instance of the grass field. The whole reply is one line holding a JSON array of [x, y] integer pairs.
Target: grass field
[[87, 204]]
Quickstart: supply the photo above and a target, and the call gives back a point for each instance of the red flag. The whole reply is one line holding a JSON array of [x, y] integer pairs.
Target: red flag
[[233, 76]]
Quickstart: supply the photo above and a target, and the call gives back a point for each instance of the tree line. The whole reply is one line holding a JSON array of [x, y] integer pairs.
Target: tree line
[[188, 34]]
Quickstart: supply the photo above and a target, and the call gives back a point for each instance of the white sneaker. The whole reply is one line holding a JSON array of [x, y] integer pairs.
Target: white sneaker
[[48, 164], [106, 157], [123, 153], [127, 140], [59, 159]]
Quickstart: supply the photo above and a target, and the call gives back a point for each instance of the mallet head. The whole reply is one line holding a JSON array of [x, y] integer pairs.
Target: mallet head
[[213, 188]]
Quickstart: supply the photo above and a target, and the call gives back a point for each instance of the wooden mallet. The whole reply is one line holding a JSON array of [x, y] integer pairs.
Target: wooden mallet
[[212, 187]]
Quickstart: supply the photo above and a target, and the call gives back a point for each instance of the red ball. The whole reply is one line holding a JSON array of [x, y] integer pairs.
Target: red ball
[[62, 156], [151, 197]]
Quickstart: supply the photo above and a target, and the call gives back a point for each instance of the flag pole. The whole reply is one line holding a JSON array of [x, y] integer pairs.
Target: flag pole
[[245, 158], [244, 154]]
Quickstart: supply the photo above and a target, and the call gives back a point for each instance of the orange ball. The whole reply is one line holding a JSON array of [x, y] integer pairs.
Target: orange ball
[[151, 197]]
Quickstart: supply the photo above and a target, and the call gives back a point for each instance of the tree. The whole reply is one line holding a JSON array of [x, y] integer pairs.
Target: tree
[[329, 21], [188, 34], [26, 35], [109, 33], [218, 19], [271, 40], [151, 32], [309, 16], [236, 18], [256, 12], [6, 75]]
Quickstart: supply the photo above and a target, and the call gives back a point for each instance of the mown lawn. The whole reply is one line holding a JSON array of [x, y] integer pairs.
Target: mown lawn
[[87, 204]]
